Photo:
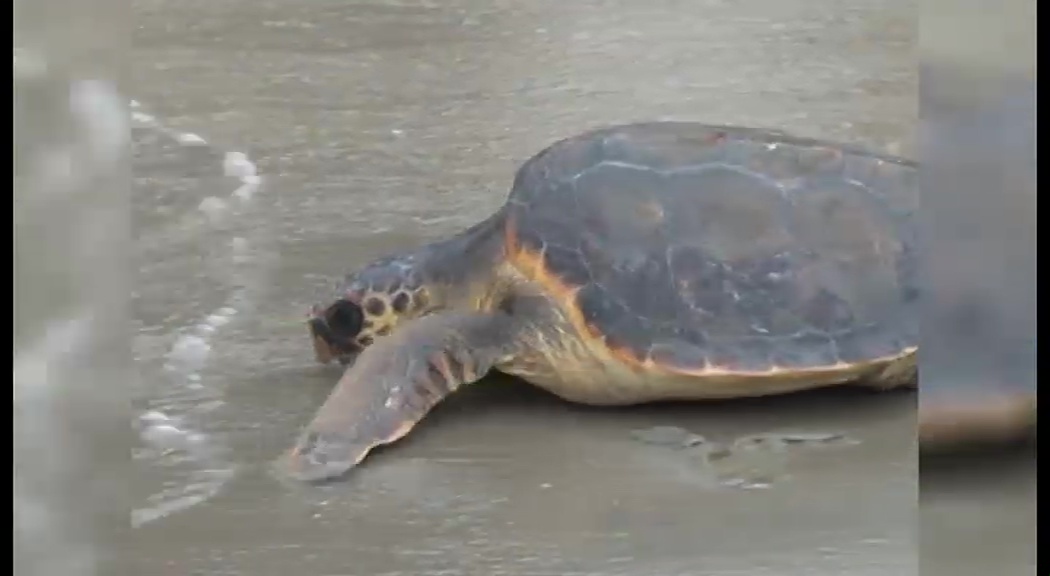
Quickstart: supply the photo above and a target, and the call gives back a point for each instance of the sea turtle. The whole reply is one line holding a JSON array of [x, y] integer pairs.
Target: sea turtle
[[636, 263]]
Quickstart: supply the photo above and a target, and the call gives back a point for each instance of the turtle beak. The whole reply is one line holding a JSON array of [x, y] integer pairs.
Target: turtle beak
[[326, 348], [322, 349]]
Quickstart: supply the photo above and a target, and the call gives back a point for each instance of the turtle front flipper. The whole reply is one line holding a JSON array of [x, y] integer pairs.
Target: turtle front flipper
[[394, 383]]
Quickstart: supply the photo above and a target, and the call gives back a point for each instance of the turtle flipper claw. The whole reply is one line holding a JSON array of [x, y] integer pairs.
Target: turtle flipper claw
[[319, 456]]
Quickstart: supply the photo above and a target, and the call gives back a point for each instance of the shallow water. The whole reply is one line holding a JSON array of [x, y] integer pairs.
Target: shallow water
[[279, 144]]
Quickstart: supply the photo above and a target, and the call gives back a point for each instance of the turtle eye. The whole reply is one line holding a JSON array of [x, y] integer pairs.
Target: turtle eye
[[344, 319]]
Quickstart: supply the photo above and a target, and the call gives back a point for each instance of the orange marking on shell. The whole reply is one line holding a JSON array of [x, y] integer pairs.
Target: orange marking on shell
[[530, 264], [627, 356]]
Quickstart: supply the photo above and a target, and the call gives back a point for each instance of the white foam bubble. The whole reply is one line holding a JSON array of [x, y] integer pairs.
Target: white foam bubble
[[163, 436], [190, 350], [208, 406], [213, 207], [245, 191], [237, 164], [217, 320], [190, 139], [196, 439], [155, 416], [141, 117]]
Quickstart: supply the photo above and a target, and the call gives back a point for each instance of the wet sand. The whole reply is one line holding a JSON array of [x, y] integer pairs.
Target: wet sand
[[376, 126]]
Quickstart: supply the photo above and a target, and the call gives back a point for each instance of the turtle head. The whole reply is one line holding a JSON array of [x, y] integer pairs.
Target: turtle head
[[370, 304]]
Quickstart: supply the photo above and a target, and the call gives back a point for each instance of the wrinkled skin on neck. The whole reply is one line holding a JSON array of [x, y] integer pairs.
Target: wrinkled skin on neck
[[375, 300]]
